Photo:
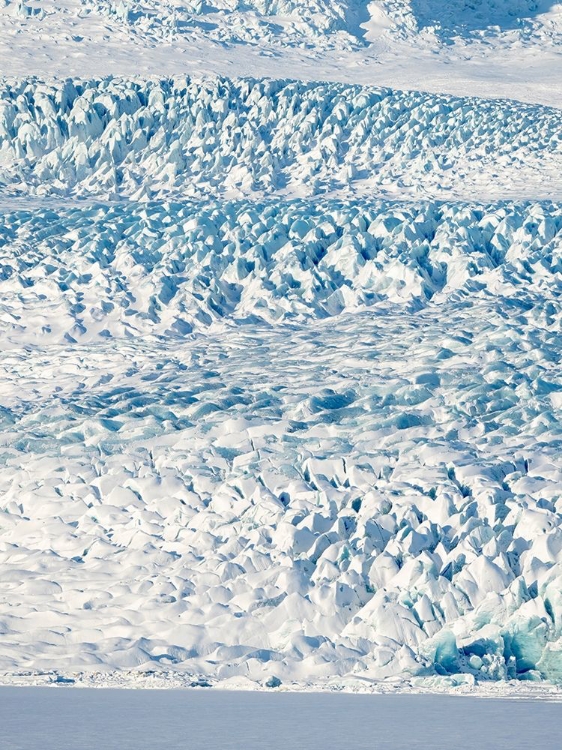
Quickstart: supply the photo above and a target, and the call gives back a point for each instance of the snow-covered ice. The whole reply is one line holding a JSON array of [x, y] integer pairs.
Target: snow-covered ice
[[280, 384], [97, 271]]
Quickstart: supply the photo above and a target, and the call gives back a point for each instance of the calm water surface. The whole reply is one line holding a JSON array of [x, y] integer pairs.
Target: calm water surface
[[84, 719]]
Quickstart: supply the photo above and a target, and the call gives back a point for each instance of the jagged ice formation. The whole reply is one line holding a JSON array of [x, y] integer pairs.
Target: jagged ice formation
[[258, 420], [188, 137]]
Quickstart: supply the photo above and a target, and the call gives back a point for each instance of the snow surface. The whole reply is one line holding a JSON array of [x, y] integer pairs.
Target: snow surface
[[209, 720], [280, 385], [507, 48]]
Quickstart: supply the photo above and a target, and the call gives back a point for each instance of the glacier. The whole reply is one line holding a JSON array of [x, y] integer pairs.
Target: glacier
[[336, 25], [185, 137], [280, 314], [280, 397], [127, 269]]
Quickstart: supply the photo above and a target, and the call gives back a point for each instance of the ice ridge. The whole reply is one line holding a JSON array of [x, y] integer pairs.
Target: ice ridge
[[186, 137], [94, 271], [320, 23]]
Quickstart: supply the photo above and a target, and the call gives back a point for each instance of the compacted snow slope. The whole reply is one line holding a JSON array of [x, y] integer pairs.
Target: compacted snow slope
[[280, 384]]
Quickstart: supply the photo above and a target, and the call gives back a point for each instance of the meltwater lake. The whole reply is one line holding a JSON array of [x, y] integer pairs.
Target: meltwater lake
[[103, 719]]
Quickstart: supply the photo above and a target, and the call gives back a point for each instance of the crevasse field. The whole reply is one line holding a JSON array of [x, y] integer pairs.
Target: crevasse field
[[280, 320]]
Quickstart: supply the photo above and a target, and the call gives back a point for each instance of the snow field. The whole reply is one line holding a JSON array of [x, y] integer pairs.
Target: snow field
[[485, 48]]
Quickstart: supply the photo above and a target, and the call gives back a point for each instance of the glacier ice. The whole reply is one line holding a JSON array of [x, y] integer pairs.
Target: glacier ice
[[466, 23], [280, 395], [183, 137], [269, 434], [125, 269]]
